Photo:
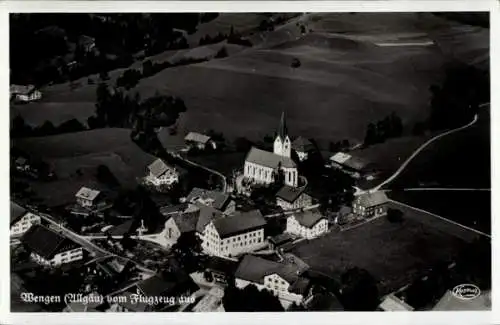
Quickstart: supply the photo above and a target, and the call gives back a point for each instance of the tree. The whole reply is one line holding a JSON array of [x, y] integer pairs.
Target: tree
[[103, 76], [20, 128], [187, 250], [250, 299], [359, 290], [47, 128], [72, 125], [103, 174], [147, 68], [295, 63], [370, 135], [222, 53], [242, 144], [394, 215]]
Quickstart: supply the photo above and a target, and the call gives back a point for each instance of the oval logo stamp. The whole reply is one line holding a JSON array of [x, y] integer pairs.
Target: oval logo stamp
[[466, 291]]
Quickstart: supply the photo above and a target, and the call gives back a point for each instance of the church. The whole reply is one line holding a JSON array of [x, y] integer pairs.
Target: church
[[261, 165]]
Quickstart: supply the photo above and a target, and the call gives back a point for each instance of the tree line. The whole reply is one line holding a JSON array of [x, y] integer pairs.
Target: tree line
[[389, 127], [231, 38]]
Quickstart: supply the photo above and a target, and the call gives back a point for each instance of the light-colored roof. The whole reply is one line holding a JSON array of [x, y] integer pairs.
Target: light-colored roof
[[392, 303], [87, 193], [197, 137], [239, 223], [372, 199], [308, 218], [20, 89], [340, 157], [214, 199], [269, 159], [349, 161], [450, 302], [158, 168]]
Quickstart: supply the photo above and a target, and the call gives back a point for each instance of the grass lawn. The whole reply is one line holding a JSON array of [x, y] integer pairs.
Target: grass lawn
[[393, 253]]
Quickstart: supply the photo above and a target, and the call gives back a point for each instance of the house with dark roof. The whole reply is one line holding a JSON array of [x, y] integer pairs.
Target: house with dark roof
[[292, 198], [351, 164], [200, 141], [48, 247], [21, 220], [112, 271], [371, 204], [221, 268], [308, 224], [22, 93], [282, 279], [181, 223], [234, 235], [161, 174], [277, 241], [302, 147], [215, 199]]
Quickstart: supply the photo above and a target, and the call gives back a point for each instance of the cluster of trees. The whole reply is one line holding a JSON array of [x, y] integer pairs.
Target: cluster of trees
[[129, 79], [339, 145], [21, 129], [271, 22], [358, 290], [249, 299], [188, 252], [232, 38], [389, 127]]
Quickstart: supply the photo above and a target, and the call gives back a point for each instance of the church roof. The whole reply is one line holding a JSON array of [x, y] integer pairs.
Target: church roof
[[282, 130], [269, 159]]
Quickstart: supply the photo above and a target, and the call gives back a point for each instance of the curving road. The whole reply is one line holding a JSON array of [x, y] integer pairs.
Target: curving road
[[224, 179]]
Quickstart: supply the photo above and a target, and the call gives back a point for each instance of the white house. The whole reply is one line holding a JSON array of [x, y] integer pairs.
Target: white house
[[234, 235], [199, 141], [87, 197], [307, 224], [283, 280], [24, 93], [261, 166], [162, 174], [21, 220], [218, 200], [371, 204], [290, 198], [302, 147], [393, 303], [49, 248]]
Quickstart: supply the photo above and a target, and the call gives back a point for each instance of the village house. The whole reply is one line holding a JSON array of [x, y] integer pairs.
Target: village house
[[113, 271], [180, 223], [291, 198], [372, 204], [234, 235], [162, 174], [24, 93], [308, 224], [275, 242], [351, 165], [199, 141], [283, 280], [22, 164], [21, 220], [87, 197], [95, 304], [49, 248], [302, 147], [221, 268], [214, 199], [261, 166]]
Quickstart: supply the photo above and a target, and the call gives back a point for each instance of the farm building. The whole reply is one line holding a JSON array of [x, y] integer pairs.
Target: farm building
[[290, 198], [371, 204], [283, 280], [24, 93], [302, 147], [214, 199], [87, 197], [351, 165], [162, 174], [307, 224], [234, 235], [200, 141], [48, 247], [22, 164], [21, 220], [220, 268], [261, 166], [277, 241]]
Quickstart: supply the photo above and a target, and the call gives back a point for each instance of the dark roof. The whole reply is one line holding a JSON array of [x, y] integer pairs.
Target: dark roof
[[289, 193], [325, 302], [253, 268], [214, 199], [308, 218], [269, 159], [168, 284], [16, 212], [221, 264], [239, 223], [121, 229], [344, 210], [281, 239], [186, 222], [372, 199], [290, 258], [300, 286], [173, 209], [46, 242], [282, 130], [158, 167], [302, 145], [206, 214]]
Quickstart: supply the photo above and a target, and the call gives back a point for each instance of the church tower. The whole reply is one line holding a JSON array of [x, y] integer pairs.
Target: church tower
[[282, 144]]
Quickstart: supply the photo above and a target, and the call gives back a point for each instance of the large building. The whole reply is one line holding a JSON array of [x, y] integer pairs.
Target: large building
[[307, 224], [234, 235], [283, 280], [261, 166], [371, 204], [21, 220], [291, 198]]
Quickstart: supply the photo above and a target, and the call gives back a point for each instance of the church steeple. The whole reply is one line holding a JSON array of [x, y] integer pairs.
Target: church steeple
[[282, 145], [282, 130]]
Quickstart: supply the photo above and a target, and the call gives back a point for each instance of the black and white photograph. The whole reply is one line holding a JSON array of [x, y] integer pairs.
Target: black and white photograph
[[249, 162]]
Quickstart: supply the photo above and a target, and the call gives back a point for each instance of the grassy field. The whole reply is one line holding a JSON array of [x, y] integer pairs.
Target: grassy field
[[393, 253], [84, 151]]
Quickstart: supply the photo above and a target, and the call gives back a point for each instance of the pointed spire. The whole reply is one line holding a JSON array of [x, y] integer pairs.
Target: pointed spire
[[282, 131]]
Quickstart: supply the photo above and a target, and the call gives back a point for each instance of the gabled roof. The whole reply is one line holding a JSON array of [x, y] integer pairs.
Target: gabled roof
[[302, 144], [166, 284], [372, 199], [281, 239], [289, 193], [21, 90], [308, 218], [186, 222], [206, 214], [214, 199], [392, 303], [158, 168], [239, 223], [87, 193], [46, 242], [254, 269], [16, 212], [269, 159], [349, 161], [197, 137], [221, 264]]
